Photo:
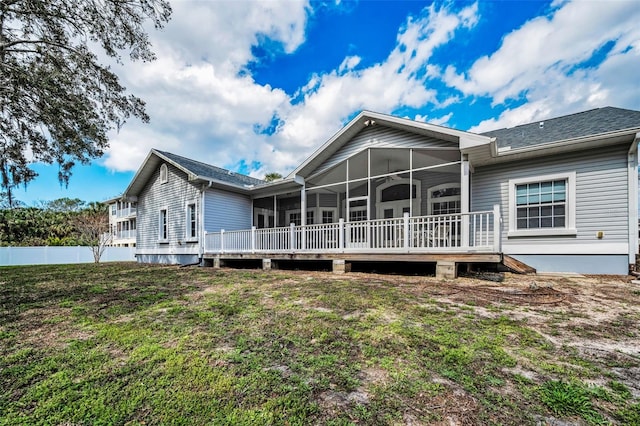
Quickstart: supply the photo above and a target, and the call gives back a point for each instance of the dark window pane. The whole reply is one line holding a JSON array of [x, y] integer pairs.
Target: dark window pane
[[522, 224]]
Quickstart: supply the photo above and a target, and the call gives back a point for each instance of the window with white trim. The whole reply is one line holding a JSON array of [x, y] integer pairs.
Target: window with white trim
[[163, 225], [191, 222], [295, 218], [164, 174], [327, 216], [444, 199], [542, 205]]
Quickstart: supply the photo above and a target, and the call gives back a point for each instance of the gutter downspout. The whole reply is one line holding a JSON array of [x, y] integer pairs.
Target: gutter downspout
[[632, 173]]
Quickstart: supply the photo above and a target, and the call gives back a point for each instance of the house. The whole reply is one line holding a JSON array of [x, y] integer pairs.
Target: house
[[557, 195], [122, 222]]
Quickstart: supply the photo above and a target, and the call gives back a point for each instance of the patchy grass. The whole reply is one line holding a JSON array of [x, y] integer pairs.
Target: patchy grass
[[137, 344]]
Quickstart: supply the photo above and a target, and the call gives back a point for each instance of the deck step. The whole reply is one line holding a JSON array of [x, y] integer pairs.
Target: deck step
[[516, 266]]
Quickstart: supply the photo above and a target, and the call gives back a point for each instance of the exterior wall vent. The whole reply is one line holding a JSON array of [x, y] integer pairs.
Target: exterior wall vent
[[541, 125]]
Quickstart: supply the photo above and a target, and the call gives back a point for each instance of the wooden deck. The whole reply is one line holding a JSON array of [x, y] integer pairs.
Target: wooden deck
[[445, 240], [446, 263]]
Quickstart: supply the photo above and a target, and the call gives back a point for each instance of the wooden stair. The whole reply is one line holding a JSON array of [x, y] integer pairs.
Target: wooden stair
[[516, 266]]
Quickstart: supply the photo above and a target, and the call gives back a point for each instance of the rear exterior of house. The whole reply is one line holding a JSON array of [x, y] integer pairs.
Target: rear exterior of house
[[559, 196], [180, 199]]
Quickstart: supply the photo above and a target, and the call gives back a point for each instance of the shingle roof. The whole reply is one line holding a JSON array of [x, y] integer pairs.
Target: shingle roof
[[208, 171], [587, 123]]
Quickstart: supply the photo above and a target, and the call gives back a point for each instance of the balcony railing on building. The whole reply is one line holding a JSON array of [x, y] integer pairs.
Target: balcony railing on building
[[460, 233], [126, 212], [122, 235]]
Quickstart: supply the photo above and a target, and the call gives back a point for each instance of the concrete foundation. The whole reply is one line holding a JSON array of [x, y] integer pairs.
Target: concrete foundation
[[266, 264], [340, 266], [446, 270], [216, 262]]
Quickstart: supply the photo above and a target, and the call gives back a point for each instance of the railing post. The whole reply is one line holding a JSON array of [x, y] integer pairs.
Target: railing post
[[464, 232], [303, 239], [341, 234], [222, 241], [292, 236], [253, 239], [497, 231], [405, 229]]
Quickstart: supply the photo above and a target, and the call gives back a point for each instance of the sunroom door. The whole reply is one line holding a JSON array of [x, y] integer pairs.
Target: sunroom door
[[357, 229]]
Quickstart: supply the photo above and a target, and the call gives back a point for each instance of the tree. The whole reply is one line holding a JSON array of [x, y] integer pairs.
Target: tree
[[64, 204], [270, 177], [57, 101], [92, 224]]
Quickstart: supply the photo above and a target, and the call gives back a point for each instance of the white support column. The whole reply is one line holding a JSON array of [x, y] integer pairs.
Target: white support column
[[497, 229], [346, 208], [465, 174], [275, 212], [253, 239], [411, 182], [303, 216], [292, 237], [405, 229], [341, 234], [222, 241], [369, 184]]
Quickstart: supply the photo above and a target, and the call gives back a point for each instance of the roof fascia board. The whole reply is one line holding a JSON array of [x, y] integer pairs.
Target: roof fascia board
[[220, 183], [328, 143], [567, 144], [125, 194], [277, 188]]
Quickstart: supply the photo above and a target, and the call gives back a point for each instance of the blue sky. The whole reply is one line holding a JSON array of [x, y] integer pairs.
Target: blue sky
[[258, 86]]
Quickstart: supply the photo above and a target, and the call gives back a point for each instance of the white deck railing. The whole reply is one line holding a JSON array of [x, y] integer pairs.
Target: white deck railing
[[463, 232]]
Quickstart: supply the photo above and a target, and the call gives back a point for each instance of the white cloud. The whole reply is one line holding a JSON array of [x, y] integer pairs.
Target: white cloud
[[204, 103], [439, 121], [399, 80], [545, 63]]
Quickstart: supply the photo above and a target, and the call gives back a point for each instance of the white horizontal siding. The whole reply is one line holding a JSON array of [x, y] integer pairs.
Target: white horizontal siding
[[226, 210], [601, 194], [174, 195]]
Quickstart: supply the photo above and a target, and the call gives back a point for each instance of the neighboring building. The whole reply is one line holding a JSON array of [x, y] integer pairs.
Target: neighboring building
[[122, 222], [558, 195]]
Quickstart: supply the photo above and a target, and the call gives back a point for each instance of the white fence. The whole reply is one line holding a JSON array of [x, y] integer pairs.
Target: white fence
[[49, 255], [465, 232]]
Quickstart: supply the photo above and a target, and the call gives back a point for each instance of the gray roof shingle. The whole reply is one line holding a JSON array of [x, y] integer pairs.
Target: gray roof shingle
[[587, 123], [208, 171]]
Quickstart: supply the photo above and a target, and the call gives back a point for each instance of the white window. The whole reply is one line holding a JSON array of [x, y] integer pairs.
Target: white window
[[394, 198], [444, 199], [164, 174], [163, 225], [328, 216], [295, 218], [543, 205], [191, 222]]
